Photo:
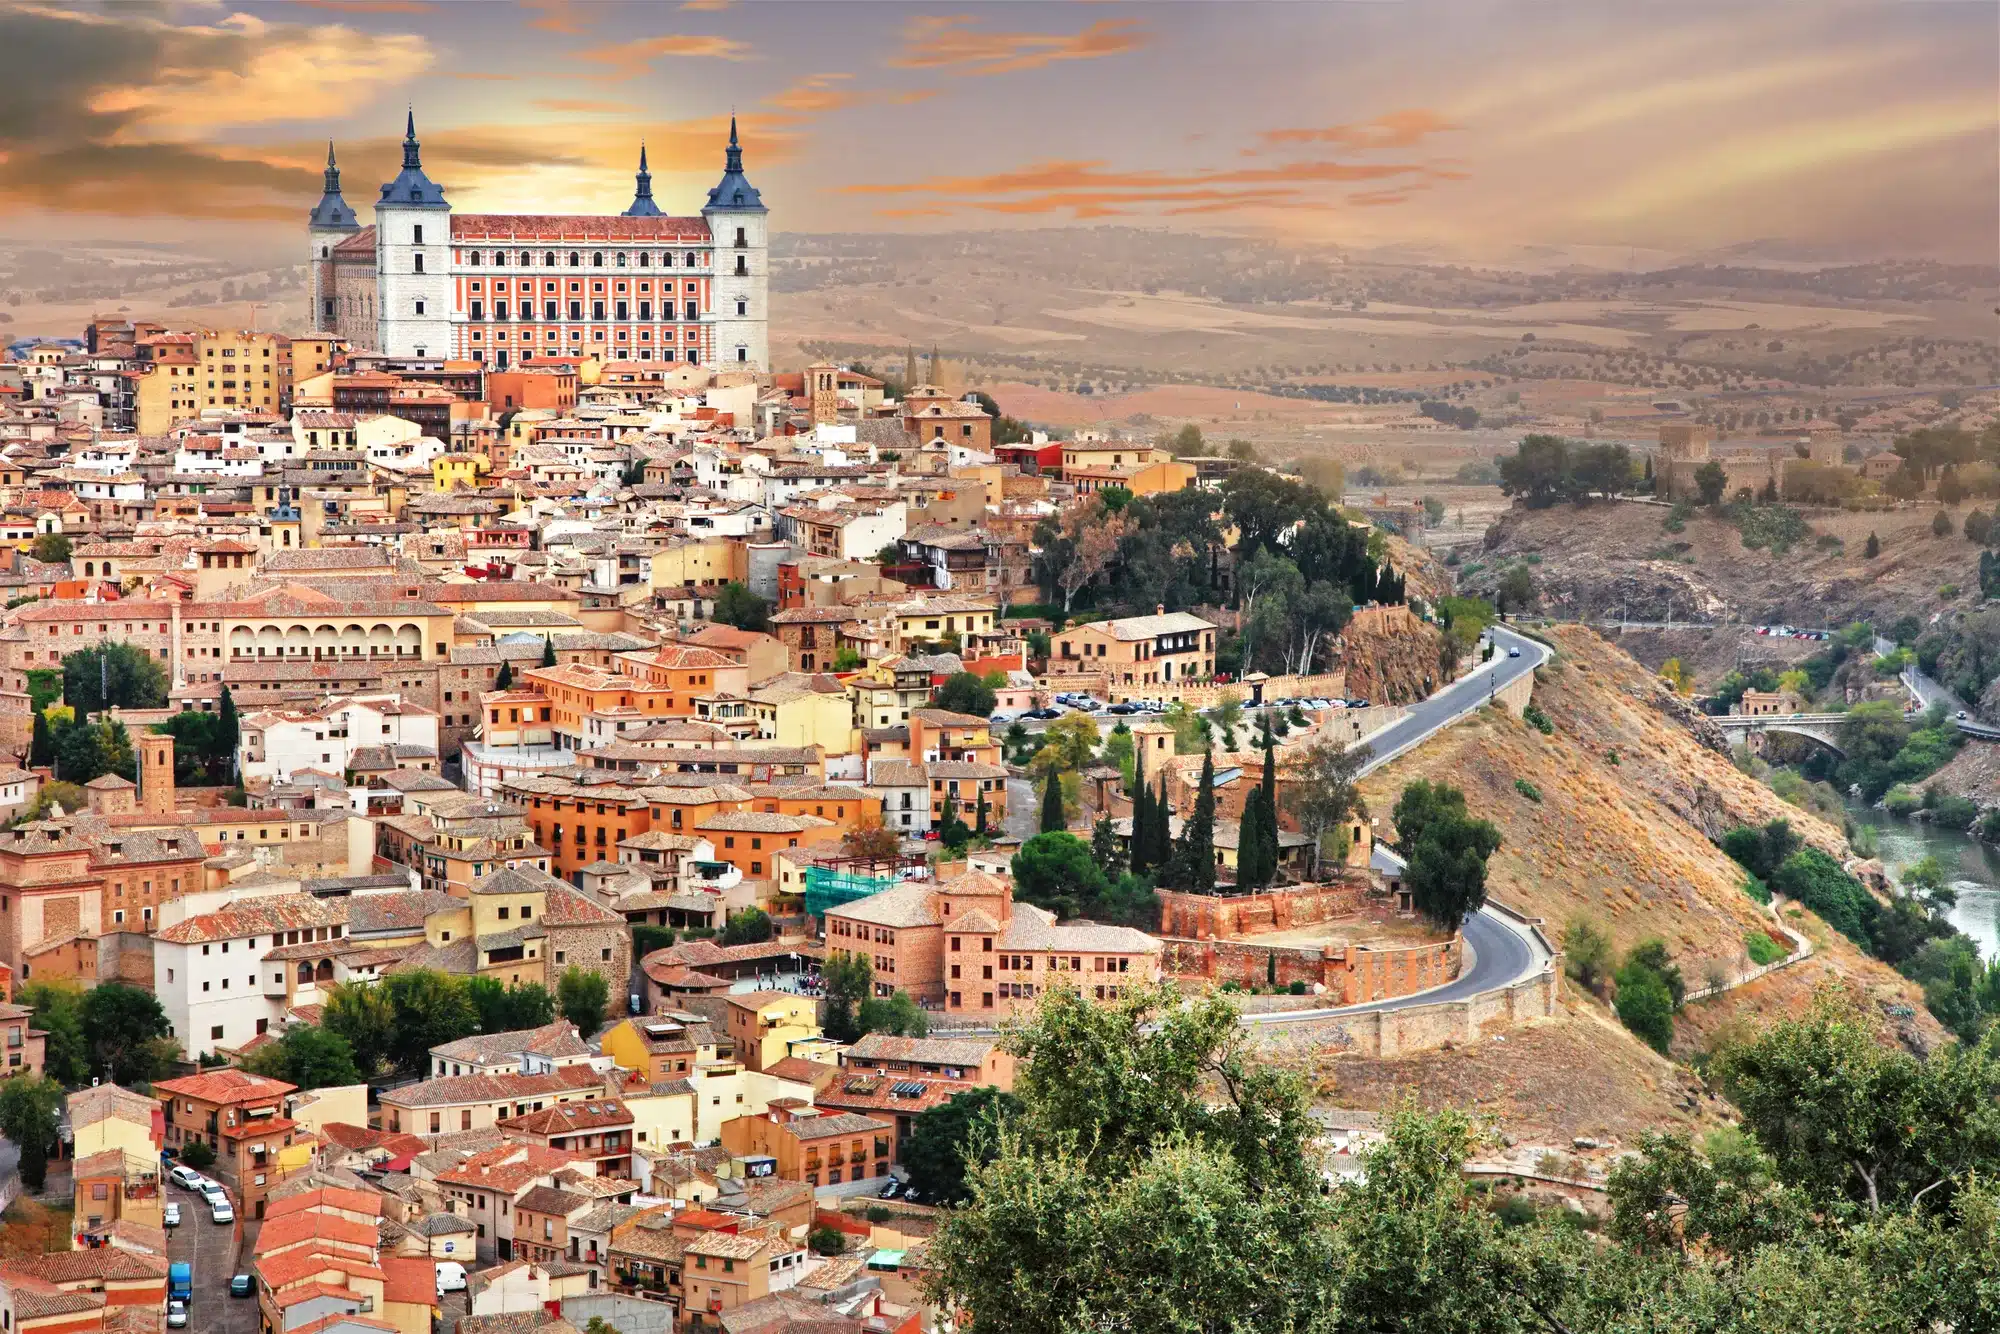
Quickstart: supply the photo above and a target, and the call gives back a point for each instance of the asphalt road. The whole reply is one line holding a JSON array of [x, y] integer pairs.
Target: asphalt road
[[210, 1249], [1458, 699], [1500, 952]]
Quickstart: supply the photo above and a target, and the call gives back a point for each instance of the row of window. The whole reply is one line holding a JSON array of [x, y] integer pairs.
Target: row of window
[[526, 258], [620, 310], [527, 287]]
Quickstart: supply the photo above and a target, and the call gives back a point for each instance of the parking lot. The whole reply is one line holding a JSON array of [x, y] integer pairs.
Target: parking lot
[[210, 1249]]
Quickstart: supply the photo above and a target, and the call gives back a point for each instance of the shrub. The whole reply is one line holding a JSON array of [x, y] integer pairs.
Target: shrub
[[1762, 949], [1538, 720], [1646, 1007], [1817, 882], [1954, 812], [827, 1240], [1528, 790], [878, 1214], [1756, 888], [1902, 800], [1297, 988], [196, 1154], [1611, 758], [1988, 826], [1586, 954]]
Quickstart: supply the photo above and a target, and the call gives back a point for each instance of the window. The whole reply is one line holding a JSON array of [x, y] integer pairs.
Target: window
[[420, 263], [417, 234], [420, 306], [216, 1032]]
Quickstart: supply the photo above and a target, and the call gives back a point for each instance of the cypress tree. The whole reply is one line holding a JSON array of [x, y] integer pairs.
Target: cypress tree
[[1159, 838], [1267, 796], [1197, 850], [231, 734], [1250, 873], [505, 680], [1052, 805], [1141, 841], [548, 651], [979, 817], [41, 750]]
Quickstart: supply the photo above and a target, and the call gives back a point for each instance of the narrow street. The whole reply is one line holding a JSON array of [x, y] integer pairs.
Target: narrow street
[[209, 1249]]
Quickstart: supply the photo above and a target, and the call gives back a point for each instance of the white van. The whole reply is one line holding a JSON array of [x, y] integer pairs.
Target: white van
[[450, 1277]]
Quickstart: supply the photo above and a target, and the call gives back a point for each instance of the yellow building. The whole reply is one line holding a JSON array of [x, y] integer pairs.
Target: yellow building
[[240, 371], [508, 908], [165, 392], [710, 560], [1109, 454], [1141, 479], [928, 620], [764, 1024], [804, 709], [107, 1117], [450, 471], [661, 1117]]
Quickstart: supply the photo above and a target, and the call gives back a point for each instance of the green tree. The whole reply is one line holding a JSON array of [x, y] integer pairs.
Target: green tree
[[897, 1015], [846, 980], [548, 651], [583, 997], [1711, 479], [196, 1154], [1053, 821], [58, 1007], [309, 1056], [1586, 954], [1104, 846], [430, 1009], [1860, 1126], [50, 549], [512, 1008], [1873, 548], [1140, 845], [1055, 870], [1323, 792], [41, 749], [1446, 849], [28, 1116], [1649, 992], [750, 926], [123, 675], [1250, 870], [45, 687], [362, 1014], [1194, 858], [1516, 589], [504, 679], [736, 605], [952, 832], [120, 1023], [967, 693], [1069, 744], [946, 1139]]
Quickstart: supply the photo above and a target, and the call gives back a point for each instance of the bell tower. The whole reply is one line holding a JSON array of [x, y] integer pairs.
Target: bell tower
[[330, 223], [156, 772]]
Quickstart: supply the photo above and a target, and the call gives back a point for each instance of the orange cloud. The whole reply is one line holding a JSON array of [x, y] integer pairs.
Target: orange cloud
[[563, 16], [706, 6], [1398, 129], [370, 6], [582, 106], [629, 60], [819, 93], [947, 41]]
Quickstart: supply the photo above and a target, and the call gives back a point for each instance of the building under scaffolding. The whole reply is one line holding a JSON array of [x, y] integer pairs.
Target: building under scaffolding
[[832, 881]]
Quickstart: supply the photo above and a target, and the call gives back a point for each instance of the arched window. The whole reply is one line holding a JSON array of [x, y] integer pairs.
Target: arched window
[[645, 260], [305, 972], [475, 259], [597, 259], [575, 260], [549, 260], [499, 258], [690, 261], [323, 973]]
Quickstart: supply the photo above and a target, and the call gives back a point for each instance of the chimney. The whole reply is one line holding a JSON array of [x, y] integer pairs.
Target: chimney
[[1159, 609]]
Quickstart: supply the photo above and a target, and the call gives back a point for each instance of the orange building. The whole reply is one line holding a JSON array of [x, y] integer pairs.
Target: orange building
[[691, 670], [751, 840], [549, 387], [242, 1118], [814, 1148]]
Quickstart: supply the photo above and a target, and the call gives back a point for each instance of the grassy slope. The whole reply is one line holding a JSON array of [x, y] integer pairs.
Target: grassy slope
[[1630, 846]]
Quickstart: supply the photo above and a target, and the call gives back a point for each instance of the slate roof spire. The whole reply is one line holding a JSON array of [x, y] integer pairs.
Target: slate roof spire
[[734, 190], [332, 210], [642, 198]]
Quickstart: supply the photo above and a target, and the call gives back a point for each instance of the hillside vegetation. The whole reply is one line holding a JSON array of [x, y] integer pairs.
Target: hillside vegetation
[[1631, 803]]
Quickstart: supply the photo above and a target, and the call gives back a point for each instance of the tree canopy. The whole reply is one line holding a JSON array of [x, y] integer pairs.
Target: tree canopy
[[968, 693], [1446, 849], [124, 675], [736, 605]]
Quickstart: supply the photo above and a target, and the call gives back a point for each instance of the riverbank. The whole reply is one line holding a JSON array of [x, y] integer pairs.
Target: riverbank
[[1973, 865]]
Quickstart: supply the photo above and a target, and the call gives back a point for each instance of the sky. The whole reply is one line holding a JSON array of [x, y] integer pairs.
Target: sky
[[1465, 129]]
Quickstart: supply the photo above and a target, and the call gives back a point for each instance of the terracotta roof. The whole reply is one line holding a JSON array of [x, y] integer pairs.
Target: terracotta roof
[[299, 1227], [557, 1039], [845, 1123], [102, 1262], [570, 1118], [456, 1089], [549, 1200], [330, 1197], [262, 916], [225, 1086]]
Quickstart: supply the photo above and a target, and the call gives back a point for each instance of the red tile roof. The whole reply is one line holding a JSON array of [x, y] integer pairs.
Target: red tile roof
[[411, 1278], [225, 1086], [281, 1271], [332, 1197], [295, 1229]]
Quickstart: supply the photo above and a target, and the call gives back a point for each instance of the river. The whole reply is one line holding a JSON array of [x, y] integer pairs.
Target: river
[[1974, 868]]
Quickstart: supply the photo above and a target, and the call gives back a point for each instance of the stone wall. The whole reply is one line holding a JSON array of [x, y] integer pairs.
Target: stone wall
[[1232, 916], [1350, 974], [1389, 1033]]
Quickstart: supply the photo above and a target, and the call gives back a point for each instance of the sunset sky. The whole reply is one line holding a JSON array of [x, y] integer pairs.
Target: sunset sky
[[1472, 129]]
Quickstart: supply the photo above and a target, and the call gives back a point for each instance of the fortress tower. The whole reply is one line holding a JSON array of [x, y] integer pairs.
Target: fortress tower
[[330, 223], [156, 772], [737, 220], [413, 260]]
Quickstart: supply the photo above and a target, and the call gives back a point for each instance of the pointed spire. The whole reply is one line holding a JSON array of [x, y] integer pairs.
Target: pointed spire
[[332, 183], [733, 159], [734, 191], [332, 210], [642, 195], [412, 160]]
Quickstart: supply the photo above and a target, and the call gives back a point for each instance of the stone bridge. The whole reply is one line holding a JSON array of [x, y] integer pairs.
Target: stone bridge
[[1821, 727]]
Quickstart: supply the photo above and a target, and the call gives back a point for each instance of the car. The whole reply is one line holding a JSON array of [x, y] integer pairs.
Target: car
[[1357, 703], [220, 1210], [1123, 710], [891, 1189], [186, 1176], [239, 1285], [1043, 713], [171, 1215], [1513, 653], [1000, 719], [1961, 715], [913, 1196], [177, 1315], [450, 1277]]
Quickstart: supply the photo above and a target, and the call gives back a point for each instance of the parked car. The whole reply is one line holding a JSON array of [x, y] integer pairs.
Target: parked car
[[1961, 715], [239, 1285], [219, 1209], [177, 1315], [1123, 709], [913, 1195], [891, 1189], [183, 1175], [1043, 713], [171, 1215], [451, 1277], [1357, 703]]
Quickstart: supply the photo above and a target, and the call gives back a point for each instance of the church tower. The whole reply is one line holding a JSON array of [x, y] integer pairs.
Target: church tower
[[330, 223], [412, 260], [737, 222], [642, 196]]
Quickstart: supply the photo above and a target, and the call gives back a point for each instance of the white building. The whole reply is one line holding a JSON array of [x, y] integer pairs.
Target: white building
[[276, 743], [223, 977]]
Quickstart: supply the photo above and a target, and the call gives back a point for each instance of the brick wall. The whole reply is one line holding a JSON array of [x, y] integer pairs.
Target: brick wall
[[1210, 916], [1351, 974]]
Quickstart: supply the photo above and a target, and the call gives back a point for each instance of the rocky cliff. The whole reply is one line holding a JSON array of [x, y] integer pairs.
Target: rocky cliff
[[1390, 658]]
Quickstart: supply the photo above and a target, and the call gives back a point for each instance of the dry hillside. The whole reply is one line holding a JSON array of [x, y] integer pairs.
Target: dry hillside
[[1629, 844], [1606, 560]]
